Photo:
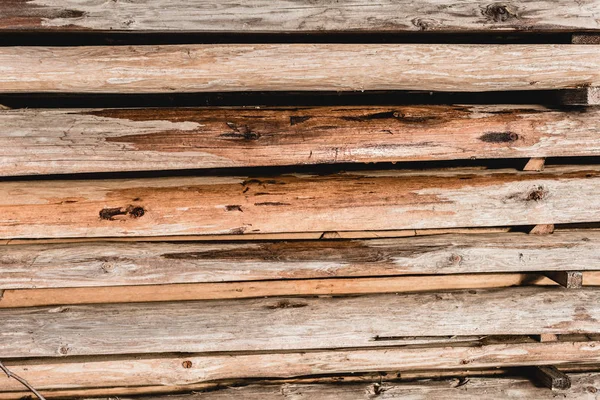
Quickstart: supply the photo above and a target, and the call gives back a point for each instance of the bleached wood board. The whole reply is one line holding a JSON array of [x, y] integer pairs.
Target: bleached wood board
[[195, 369], [120, 264], [108, 140], [293, 323], [300, 15], [297, 67], [372, 200], [584, 387]]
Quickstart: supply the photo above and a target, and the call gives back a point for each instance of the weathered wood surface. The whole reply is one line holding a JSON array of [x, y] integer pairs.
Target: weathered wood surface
[[72, 141], [237, 290], [300, 16], [297, 67], [121, 264], [194, 369], [584, 387], [372, 200], [293, 323]]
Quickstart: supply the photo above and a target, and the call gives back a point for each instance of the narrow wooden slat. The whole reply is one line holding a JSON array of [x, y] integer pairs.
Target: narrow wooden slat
[[535, 164], [375, 200], [97, 264], [585, 96], [293, 323], [551, 377], [300, 16], [195, 369], [239, 290], [297, 67], [567, 279], [74, 141]]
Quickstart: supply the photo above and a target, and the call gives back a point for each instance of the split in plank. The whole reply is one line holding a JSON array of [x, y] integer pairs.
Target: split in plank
[[297, 67], [301, 16], [103, 264], [293, 323], [111, 140], [374, 200], [193, 369]]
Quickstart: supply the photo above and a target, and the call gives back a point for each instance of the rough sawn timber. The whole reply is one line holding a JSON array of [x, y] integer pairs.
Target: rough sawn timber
[[372, 200], [98, 264], [297, 67], [300, 15], [110, 140], [192, 370], [293, 323]]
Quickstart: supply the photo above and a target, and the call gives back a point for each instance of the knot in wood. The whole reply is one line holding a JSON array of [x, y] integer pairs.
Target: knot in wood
[[499, 12], [187, 364]]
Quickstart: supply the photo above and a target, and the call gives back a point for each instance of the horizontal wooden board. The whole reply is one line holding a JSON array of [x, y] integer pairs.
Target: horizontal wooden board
[[300, 16], [293, 323], [237, 290], [194, 369], [373, 200], [297, 67], [584, 387], [108, 140], [106, 264]]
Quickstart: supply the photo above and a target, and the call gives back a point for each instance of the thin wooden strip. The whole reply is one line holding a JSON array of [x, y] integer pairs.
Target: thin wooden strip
[[585, 96], [300, 16], [293, 323], [75, 141], [107, 264], [584, 387], [239, 290], [297, 67], [375, 200], [194, 369]]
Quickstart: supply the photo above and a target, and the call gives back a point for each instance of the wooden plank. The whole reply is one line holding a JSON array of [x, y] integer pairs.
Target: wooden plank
[[585, 96], [293, 323], [103, 264], [567, 279], [584, 388], [535, 164], [371, 200], [172, 370], [106, 140], [585, 38], [238, 290], [300, 16], [542, 229], [297, 67], [551, 377]]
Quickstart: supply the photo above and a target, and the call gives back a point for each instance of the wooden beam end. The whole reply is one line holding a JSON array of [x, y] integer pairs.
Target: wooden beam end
[[551, 377]]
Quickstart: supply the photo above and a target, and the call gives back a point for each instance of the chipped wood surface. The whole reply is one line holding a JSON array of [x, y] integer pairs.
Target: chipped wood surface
[[297, 67], [110, 140], [301, 15], [372, 200], [293, 323], [584, 387], [97, 264], [174, 371]]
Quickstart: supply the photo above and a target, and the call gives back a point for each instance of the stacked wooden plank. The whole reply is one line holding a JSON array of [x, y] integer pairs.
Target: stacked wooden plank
[[317, 251]]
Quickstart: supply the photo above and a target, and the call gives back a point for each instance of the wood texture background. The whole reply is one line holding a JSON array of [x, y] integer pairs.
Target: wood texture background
[[34, 141], [300, 15], [116, 264], [297, 67], [376, 200], [293, 323]]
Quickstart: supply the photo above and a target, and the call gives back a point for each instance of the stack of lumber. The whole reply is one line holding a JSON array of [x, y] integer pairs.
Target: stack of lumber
[[299, 199]]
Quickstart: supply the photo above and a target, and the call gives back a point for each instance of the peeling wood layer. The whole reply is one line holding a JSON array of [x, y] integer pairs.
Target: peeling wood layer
[[297, 67], [110, 140], [293, 323], [191, 370], [103, 264], [300, 15], [376, 200]]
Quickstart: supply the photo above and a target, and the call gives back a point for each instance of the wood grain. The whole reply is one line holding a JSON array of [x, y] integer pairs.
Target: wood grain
[[584, 387], [297, 67], [109, 140], [194, 369], [293, 323], [104, 264], [373, 200], [300, 15]]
